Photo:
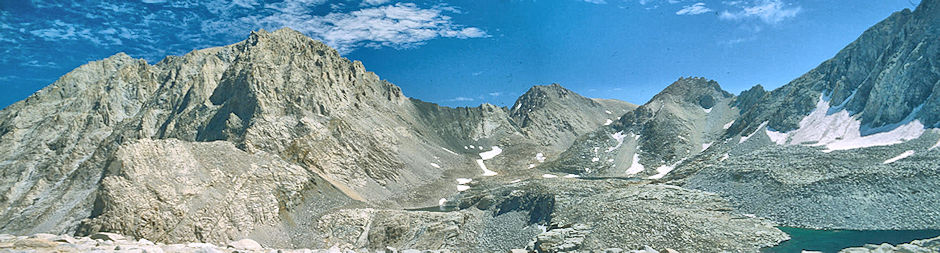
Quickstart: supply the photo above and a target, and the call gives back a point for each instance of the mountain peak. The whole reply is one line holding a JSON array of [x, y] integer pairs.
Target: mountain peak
[[556, 115], [694, 90]]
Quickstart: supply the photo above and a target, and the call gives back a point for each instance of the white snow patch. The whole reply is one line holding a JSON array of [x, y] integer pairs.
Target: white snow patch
[[480, 147], [464, 180], [726, 126], [682, 138], [531, 166], [486, 172], [899, 157], [435, 165], [540, 157], [595, 159], [662, 171], [841, 131], [461, 187], [619, 137], [608, 112], [465, 147], [492, 153], [635, 167], [608, 122], [610, 160], [572, 176], [744, 138], [935, 145], [448, 151], [517, 106], [709, 110], [515, 181], [441, 202], [706, 145], [549, 176], [472, 147], [724, 157], [776, 137]]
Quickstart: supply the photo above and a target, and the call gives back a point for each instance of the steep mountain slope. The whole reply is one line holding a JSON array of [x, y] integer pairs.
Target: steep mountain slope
[[888, 77], [846, 145], [78, 155], [681, 121], [555, 116]]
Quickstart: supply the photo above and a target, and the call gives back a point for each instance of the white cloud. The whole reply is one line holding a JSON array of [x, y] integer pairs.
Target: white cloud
[[644, 2], [596, 1], [399, 25], [695, 9], [495, 94], [402, 25], [735, 41], [373, 2], [38, 64], [462, 99], [141, 31], [768, 11]]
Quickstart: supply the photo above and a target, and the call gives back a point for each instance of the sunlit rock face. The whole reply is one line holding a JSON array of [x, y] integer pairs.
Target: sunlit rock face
[[845, 144], [154, 150], [889, 76], [279, 139]]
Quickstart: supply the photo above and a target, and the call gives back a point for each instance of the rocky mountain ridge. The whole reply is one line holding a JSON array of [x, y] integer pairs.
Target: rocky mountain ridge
[[281, 140], [330, 134]]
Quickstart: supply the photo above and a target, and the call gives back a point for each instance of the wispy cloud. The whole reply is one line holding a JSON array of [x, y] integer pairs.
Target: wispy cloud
[[735, 41], [373, 2], [767, 11], [695, 9], [402, 25], [495, 94], [155, 28], [460, 99], [596, 1], [38, 64]]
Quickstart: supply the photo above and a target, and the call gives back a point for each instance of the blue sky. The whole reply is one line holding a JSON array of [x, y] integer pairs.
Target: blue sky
[[460, 53]]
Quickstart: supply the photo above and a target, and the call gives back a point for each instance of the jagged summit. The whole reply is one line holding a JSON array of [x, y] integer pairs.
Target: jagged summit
[[693, 90], [554, 115], [281, 140], [891, 72], [325, 132], [681, 121]]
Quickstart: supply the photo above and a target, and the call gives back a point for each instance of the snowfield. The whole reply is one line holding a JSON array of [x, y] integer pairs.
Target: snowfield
[[841, 131]]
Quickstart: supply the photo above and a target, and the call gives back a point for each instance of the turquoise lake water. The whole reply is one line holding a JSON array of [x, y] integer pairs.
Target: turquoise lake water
[[831, 241]]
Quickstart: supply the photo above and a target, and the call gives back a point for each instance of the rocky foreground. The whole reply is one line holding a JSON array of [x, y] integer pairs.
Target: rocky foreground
[[109, 242], [931, 245]]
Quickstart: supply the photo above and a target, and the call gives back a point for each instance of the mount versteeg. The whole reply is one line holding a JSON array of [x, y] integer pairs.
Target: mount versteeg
[[279, 139]]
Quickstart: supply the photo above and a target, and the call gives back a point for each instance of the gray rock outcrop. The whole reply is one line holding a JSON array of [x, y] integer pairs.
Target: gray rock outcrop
[[298, 128]]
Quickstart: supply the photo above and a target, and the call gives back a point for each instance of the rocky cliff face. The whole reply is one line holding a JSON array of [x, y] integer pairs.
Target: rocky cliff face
[[279, 139], [846, 145], [554, 116], [889, 76], [150, 150], [681, 121]]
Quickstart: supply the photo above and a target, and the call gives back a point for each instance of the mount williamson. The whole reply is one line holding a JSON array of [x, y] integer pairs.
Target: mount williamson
[[281, 140]]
